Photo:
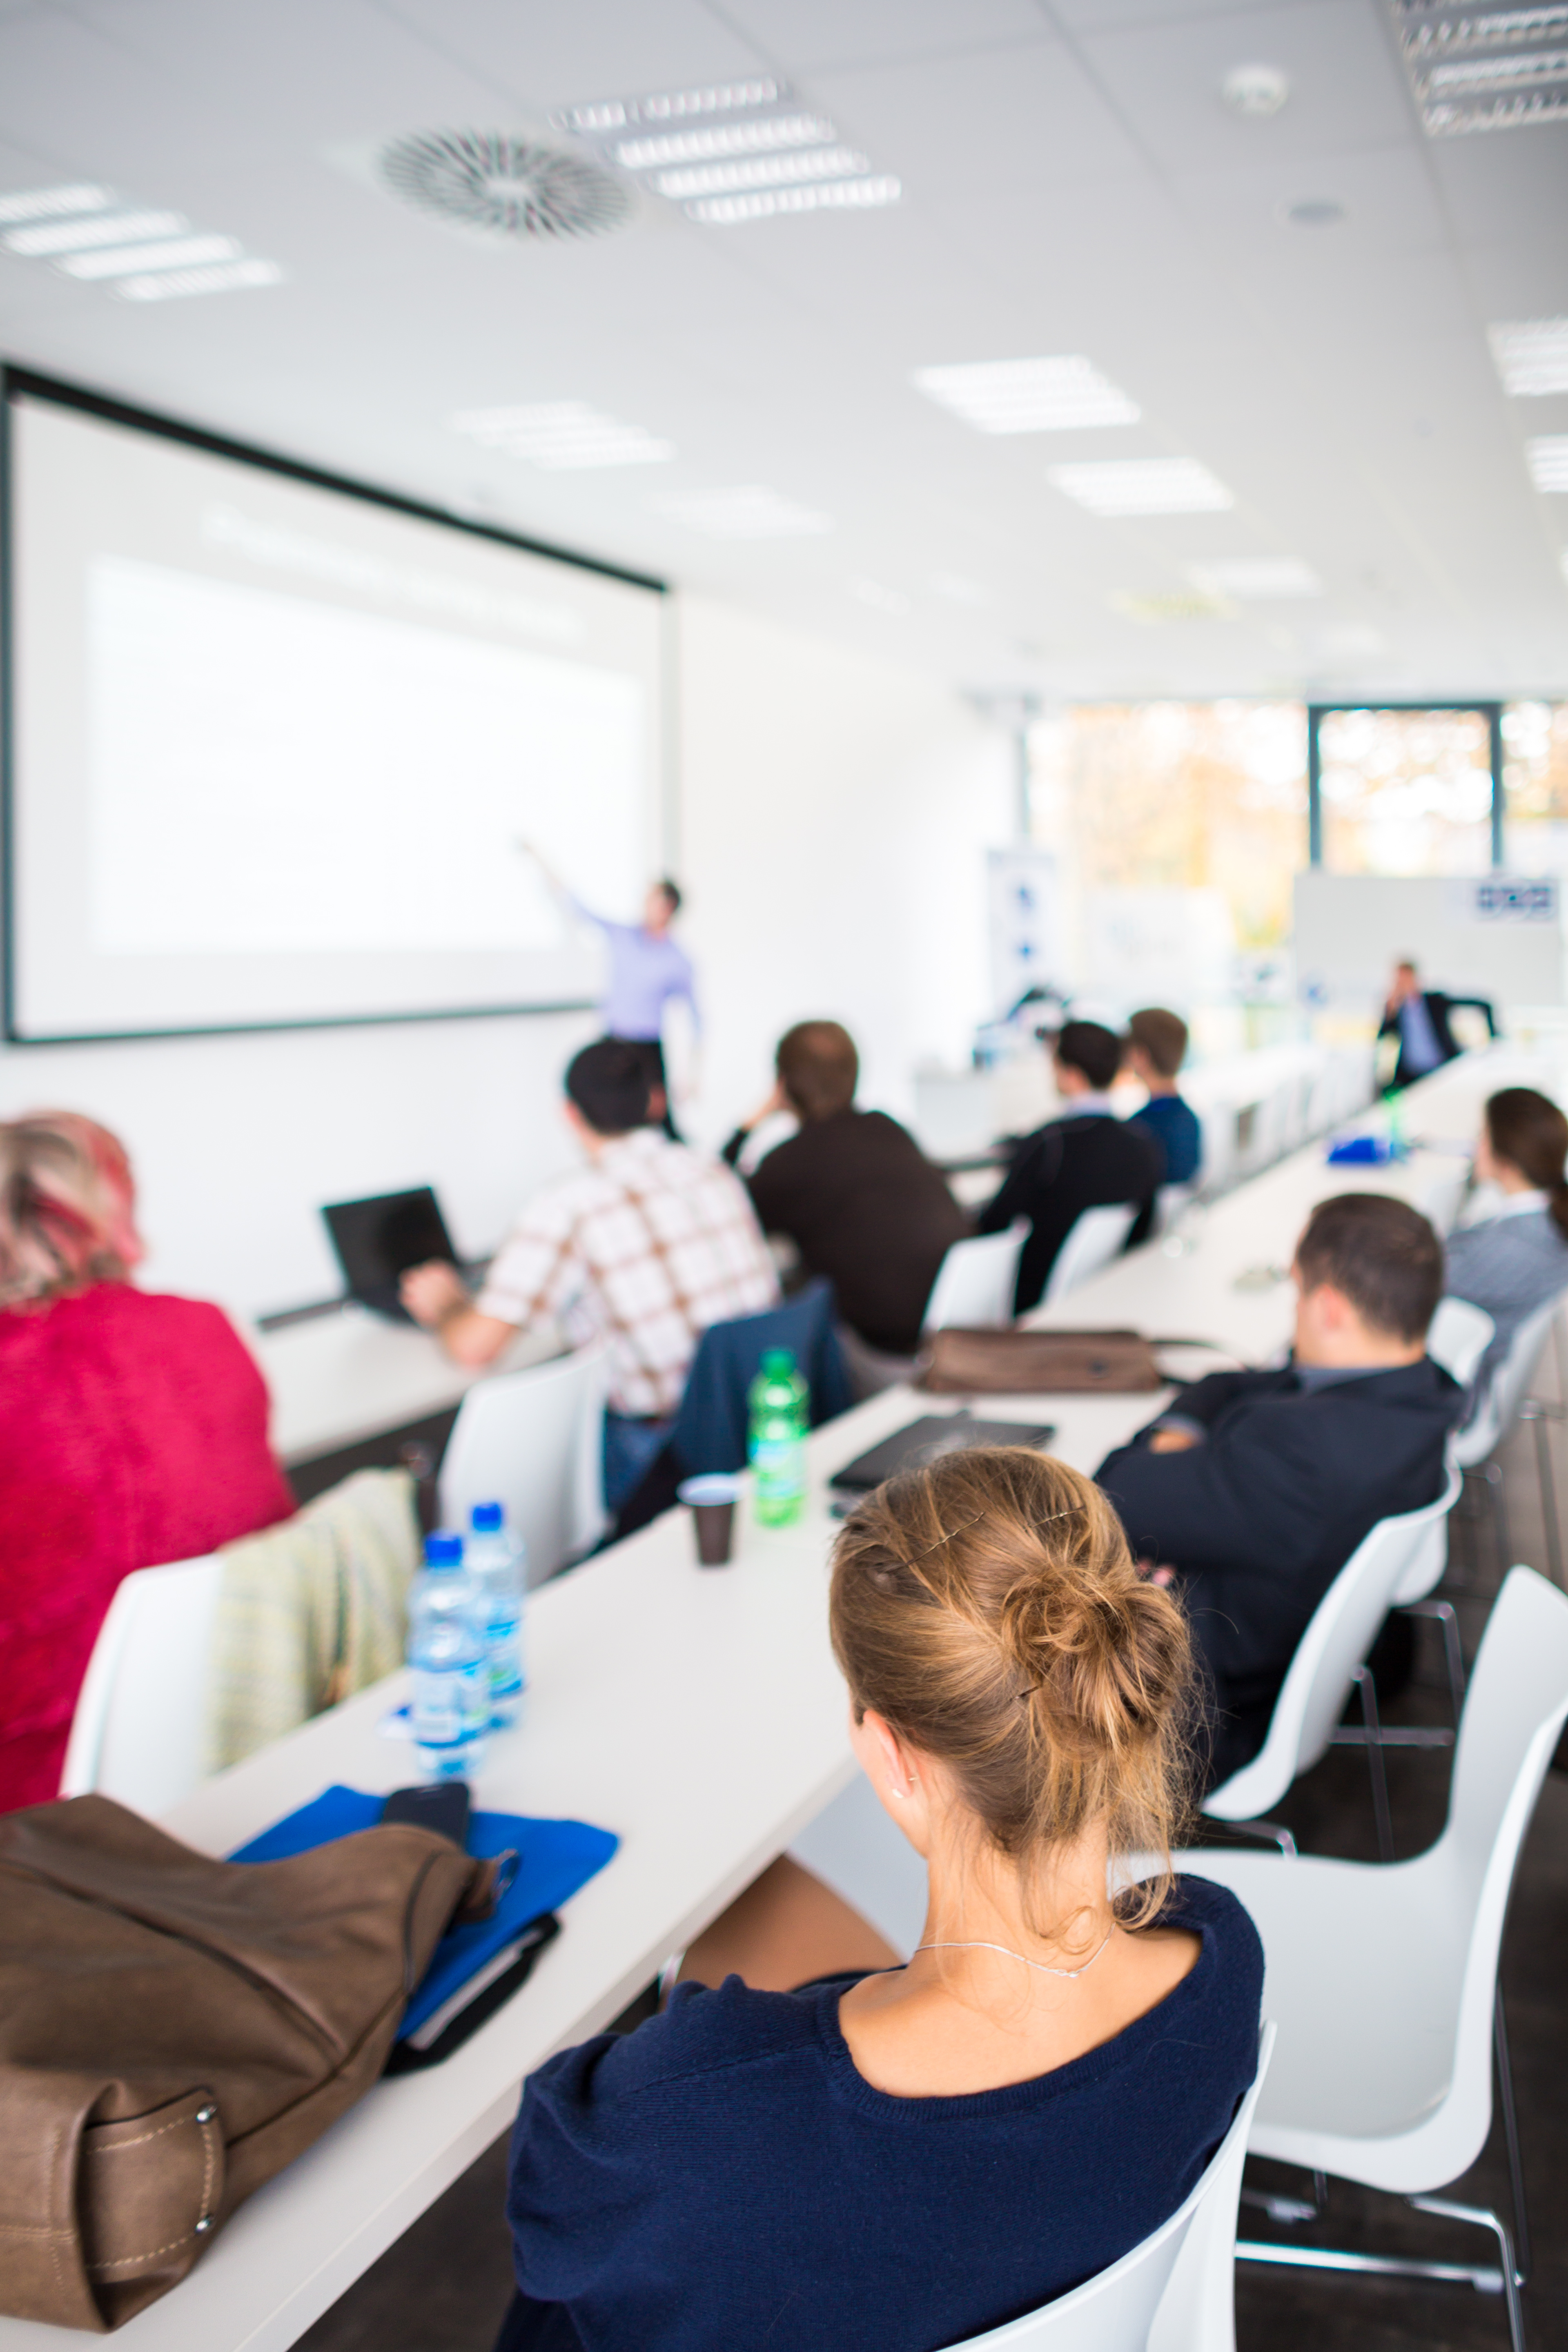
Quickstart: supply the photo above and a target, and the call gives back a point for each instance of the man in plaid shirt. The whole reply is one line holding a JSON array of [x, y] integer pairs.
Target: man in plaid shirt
[[644, 1247]]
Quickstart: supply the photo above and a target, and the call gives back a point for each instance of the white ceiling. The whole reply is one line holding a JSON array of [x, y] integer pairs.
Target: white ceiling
[[1072, 183]]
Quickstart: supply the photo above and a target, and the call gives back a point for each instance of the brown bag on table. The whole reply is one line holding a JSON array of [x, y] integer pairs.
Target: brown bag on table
[[1038, 1363], [174, 2031]]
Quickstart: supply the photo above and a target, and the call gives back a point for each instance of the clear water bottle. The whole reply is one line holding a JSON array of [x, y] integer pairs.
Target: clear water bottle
[[449, 1708], [496, 1560], [779, 1404]]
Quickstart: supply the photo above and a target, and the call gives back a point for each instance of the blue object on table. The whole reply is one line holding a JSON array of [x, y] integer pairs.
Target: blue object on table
[[554, 1859], [1361, 1151]]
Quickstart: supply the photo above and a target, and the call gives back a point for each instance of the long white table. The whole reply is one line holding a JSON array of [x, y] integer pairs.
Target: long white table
[[699, 1715], [339, 1378]]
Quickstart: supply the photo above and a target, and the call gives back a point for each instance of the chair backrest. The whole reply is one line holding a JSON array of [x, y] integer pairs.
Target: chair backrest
[[1513, 1375], [1169, 1202], [1458, 1338], [1438, 1196], [1217, 1168], [976, 1281], [1096, 1236], [1343, 1629], [139, 1729], [1174, 2293], [710, 1431], [534, 1441]]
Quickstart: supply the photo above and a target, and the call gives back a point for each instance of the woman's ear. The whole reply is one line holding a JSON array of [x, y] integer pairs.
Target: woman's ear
[[901, 1778]]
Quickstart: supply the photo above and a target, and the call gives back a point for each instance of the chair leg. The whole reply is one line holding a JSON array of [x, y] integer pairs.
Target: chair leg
[[1443, 1611], [1504, 2280], [1484, 2218], [1374, 1763], [1539, 1415], [1510, 2132], [1492, 1472], [1271, 1833]]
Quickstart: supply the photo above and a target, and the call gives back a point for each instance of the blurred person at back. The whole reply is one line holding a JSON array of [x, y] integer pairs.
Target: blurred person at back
[[1512, 1255], [1251, 1491], [1156, 1048], [1085, 1158], [1418, 1017], [852, 1190], [132, 1428], [643, 1246]]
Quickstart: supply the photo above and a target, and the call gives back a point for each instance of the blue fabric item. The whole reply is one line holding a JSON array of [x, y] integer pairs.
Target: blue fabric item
[[725, 2175], [710, 1431], [1361, 1151], [647, 972], [554, 1859], [1175, 1126], [630, 1446]]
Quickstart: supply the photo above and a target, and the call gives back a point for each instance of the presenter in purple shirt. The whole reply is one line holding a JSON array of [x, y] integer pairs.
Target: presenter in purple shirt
[[648, 971]]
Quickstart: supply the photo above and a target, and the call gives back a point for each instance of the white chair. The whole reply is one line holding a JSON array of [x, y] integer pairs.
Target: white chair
[[138, 1731], [1176, 2292], [975, 1282], [1382, 1979], [1217, 1168], [1170, 1202], [1438, 1196], [1329, 1661], [534, 1441], [1096, 1236], [1505, 1404], [1459, 1336]]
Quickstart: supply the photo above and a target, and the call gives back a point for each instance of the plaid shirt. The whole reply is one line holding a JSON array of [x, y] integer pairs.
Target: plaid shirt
[[644, 1247]]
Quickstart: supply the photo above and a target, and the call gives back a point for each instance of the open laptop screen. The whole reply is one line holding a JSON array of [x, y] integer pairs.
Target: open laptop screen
[[378, 1239]]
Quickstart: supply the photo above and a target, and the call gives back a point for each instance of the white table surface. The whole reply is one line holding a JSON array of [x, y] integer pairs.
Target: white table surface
[[699, 1715], [348, 1375]]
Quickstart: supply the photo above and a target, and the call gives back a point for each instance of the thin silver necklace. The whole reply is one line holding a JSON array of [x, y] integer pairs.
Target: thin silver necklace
[[1008, 1953]]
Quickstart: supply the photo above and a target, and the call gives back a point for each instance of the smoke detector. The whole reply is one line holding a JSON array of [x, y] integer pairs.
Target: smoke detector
[[499, 182], [1256, 90]]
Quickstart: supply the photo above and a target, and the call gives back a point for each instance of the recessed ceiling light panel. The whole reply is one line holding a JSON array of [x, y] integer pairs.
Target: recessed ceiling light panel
[[1142, 486], [222, 278], [171, 253], [761, 171], [602, 114], [1254, 578], [760, 155], [832, 195], [49, 237], [749, 512], [1485, 65], [1044, 395], [1548, 458], [562, 436], [729, 138], [144, 257], [1531, 356], [510, 186], [50, 204]]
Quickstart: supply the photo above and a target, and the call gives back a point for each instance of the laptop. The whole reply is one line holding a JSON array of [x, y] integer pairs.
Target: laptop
[[378, 1239], [919, 1442]]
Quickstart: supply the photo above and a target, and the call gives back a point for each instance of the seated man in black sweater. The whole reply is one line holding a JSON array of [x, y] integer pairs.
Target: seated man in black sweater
[[1086, 1159], [1251, 1493], [852, 1190]]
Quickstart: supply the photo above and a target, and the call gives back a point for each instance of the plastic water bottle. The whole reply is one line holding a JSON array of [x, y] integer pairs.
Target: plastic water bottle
[[451, 1706], [779, 1402], [496, 1563]]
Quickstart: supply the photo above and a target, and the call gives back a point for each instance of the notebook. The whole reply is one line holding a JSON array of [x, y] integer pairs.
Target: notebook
[[923, 1440]]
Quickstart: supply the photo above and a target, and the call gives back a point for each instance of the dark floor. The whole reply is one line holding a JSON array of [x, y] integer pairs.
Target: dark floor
[[444, 2286]]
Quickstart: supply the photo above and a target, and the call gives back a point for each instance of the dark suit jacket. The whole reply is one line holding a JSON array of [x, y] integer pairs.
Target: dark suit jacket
[[1259, 1518], [1091, 1161], [863, 1207], [1438, 1008]]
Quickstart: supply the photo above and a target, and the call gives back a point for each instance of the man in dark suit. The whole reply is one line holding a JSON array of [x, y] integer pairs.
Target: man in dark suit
[[1251, 1493], [1086, 1159], [1418, 1017]]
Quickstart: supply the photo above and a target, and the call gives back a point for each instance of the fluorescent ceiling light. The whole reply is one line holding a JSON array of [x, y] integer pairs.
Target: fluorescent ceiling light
[[1250, 578], [1485, 65], [1549, 461], [222, 278], [1142, 486], [881, 599], [122, 260], [101, 228], [1046, 395], [48, 203], [562, 436], [832, 196], [1531, 356], [668, 106], [749, 512], [733, 139], [762, 172]]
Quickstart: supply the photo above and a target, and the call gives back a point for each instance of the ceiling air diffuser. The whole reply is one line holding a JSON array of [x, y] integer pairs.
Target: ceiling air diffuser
[[490, 180]]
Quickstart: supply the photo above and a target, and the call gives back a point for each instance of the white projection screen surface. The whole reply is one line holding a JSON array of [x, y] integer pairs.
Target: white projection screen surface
[[274, 744]]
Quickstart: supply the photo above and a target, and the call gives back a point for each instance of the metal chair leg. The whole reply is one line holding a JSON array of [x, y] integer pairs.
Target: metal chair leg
[[1271, 1832], [1484, 2218], [1504, 2280], [1510, 2132], [1443, 1611], [1368, 1690], [1492, 1472], [1540, 1416]]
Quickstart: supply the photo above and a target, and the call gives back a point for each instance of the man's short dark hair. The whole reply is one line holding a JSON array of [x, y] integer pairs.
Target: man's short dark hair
[[818, 1067], [671, 891], [1382, 1253], [1163, 1036], [1095, 1053], [608, 1083]]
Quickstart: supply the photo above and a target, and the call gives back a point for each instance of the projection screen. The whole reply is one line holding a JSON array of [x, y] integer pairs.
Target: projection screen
[[274, 741]]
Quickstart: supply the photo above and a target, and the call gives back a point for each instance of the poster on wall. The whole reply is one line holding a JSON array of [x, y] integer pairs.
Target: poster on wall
[[1024, 925]]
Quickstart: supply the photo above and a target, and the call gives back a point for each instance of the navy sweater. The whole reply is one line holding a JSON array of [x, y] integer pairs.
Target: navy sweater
[[725, 2178], [1173, 1124]]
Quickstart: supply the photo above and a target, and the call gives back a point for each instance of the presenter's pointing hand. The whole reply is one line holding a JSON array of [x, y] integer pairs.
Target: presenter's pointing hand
[[433, 1293]]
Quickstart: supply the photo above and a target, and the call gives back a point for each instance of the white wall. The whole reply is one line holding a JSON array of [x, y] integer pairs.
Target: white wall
[[833, 815], [836, 812]]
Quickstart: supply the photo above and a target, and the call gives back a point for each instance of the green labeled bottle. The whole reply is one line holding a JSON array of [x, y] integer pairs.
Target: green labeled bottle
[[779, 1406]]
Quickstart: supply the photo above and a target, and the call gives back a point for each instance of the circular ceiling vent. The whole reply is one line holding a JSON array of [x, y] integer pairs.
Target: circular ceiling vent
[[490, 180]]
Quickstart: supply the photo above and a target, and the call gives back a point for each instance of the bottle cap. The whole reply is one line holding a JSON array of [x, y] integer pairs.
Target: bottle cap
[[443, 1549], [778, 1361], [487, 1518]]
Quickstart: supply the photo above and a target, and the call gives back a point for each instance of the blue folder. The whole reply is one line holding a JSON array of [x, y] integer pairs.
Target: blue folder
[[554, 1859]]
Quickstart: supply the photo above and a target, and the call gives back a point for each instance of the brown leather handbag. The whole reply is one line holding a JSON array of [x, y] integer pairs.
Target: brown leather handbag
[[174, 2030], [1039, 1363]]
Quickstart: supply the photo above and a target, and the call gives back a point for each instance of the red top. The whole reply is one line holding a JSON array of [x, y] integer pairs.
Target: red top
[[133, 1432]]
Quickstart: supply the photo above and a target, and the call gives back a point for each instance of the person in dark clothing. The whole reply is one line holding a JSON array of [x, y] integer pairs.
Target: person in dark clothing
[[1418, 1017], [1086, 1159], [1156, 1048], [1252, 1491], [852, 1190]]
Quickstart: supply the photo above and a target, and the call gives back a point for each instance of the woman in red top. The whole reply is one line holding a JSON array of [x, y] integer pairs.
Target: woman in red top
[[133, 1429]]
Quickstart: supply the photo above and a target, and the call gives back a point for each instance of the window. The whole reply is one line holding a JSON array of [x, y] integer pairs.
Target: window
[[1405, 792]]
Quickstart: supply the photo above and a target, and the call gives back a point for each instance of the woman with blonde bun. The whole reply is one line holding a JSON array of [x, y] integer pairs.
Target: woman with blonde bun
[[892, 2159]]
